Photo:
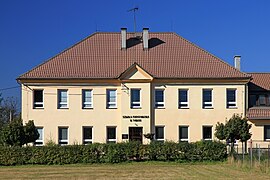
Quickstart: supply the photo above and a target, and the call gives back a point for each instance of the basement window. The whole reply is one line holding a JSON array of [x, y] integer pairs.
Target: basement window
[[183, 133], [63, 135], [38, 99], [160, 133], [87, 135], [267, 132], [207, 132], [39, 141], [111, 134]]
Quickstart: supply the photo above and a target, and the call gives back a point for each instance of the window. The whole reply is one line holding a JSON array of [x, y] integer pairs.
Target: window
[[159, 98], [63, 135], [111, 98], [111, 134], [207, 98], [267, 132], [183, 98], [39, 141], [87, 99], [160, 134], [135, 98], [207, 132], [252, 100], [62, 99], [183, 133], [262, 100], [38, 99], [231, 98], [87, 135]]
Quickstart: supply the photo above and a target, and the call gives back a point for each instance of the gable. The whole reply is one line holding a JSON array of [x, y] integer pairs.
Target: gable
[[135, 72]]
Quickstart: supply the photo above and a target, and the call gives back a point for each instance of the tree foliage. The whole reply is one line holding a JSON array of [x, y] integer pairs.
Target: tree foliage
[[8, 109], [237, 128], [16, 134]]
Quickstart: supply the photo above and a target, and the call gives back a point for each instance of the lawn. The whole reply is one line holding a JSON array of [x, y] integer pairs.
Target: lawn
[[142, 170]]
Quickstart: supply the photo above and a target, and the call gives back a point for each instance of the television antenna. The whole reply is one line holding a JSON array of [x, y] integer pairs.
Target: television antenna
[[134, 16]]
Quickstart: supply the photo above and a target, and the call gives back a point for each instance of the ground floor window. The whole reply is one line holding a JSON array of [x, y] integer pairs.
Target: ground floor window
[[159, 133], [39, 141], [63, 135], [87, 135], [183, 133], [267, 132], [207, 132], [111, 134]]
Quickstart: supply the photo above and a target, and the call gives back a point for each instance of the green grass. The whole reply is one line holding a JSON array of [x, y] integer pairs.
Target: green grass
[[134, 170]]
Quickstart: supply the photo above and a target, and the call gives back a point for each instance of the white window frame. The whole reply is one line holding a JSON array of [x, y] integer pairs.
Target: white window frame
[[157, 139], [86, 141], [135, 104], [231, 105], [160, 103], [65, 140], [59, 103], [183, 103], [107, 138], [183, 140], [207, 139], [84, 103], [38, 103], [38, 140], [207, 103], [111, 105]]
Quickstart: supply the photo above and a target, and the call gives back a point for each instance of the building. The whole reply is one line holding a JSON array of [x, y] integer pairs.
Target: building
[[114, 87]]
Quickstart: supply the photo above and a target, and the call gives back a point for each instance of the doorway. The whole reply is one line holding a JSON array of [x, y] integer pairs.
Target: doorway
[[135, 134]]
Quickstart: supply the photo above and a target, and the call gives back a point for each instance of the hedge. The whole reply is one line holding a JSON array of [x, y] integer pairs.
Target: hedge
[[114, 153]]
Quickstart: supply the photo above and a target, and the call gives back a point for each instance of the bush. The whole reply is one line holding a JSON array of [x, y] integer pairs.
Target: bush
[[114, 153]]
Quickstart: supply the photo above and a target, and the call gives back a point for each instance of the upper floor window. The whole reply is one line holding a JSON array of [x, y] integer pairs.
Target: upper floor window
[[183, 98], [87, 135], [159, 98], [207, 98], [62, 98], [87, 99], [231, 98], [135, 98], [39, 141], [159, 133], [262, 100], [38, 98], [111, 98]]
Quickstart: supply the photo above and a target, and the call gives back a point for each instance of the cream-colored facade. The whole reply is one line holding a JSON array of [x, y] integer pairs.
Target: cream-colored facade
[[99, 117]]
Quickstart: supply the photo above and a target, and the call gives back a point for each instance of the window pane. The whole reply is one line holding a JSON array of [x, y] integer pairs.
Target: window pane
[[267, 132], [135, 95], [231, 95], [62, 98], [159, 132], [159, 96], [40, 132], [111, 98], [87, 98], [111, 133], [252, 100], [183, 132], [207, 132], [87, 133], [38, 95], [262, 100], [207, 95], [63, 134], [183, 96]]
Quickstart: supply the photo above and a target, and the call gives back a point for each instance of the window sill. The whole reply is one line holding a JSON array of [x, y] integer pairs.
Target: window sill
[[183, 107], [232, 107]]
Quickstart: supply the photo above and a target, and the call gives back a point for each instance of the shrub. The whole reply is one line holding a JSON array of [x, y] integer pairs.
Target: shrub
[[114, 153]]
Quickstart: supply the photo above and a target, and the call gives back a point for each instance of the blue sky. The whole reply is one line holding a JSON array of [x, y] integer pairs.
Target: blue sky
[[34, 30]]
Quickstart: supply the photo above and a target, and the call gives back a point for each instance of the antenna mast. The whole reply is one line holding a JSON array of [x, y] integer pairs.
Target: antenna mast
[[134, 15]]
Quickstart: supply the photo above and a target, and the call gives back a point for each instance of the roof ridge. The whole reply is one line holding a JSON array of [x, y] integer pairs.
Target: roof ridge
[[214, 56], [58, 54]]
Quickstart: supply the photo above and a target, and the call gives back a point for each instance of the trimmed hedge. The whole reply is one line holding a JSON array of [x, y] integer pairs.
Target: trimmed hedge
[[114, 153]]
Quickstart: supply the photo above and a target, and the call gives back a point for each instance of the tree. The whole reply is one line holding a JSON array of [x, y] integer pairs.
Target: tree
[[237, 128], [15, 134], [8, 109]]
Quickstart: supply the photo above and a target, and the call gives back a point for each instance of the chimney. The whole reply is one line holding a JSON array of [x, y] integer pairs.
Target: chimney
[[145, 38], [237, 59], [123, 38]]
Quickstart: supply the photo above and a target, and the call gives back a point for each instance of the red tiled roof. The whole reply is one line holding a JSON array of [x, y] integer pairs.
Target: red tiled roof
[[259, 113], [261, 79], [100, 56]]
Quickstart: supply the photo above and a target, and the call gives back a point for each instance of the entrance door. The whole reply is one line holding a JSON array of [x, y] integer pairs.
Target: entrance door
[[135, 134]]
